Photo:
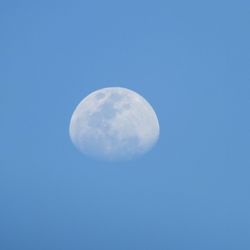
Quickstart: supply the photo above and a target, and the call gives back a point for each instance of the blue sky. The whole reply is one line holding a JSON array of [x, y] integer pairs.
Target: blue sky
[[190, 60]]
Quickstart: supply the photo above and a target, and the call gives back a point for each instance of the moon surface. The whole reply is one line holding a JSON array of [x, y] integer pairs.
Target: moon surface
[[114, 124]]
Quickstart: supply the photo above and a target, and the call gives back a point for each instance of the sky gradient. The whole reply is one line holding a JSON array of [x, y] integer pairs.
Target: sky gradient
[[190, 60]]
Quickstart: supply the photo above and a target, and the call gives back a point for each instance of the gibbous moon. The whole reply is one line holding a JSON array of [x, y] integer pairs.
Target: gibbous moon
[[114, 124]]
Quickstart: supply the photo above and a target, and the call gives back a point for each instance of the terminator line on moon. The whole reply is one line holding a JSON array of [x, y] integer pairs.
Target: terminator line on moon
[[114, 124]]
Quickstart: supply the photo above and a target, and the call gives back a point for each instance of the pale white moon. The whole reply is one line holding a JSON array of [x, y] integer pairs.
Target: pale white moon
[[114, 124]]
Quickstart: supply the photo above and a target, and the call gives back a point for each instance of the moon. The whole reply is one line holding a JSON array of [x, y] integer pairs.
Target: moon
[[113, 124]]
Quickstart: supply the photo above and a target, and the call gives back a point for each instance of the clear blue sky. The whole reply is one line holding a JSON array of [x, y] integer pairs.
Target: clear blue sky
[[190, 60]]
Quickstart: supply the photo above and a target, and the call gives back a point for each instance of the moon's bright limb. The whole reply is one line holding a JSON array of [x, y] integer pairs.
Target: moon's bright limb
[[114, 124]]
